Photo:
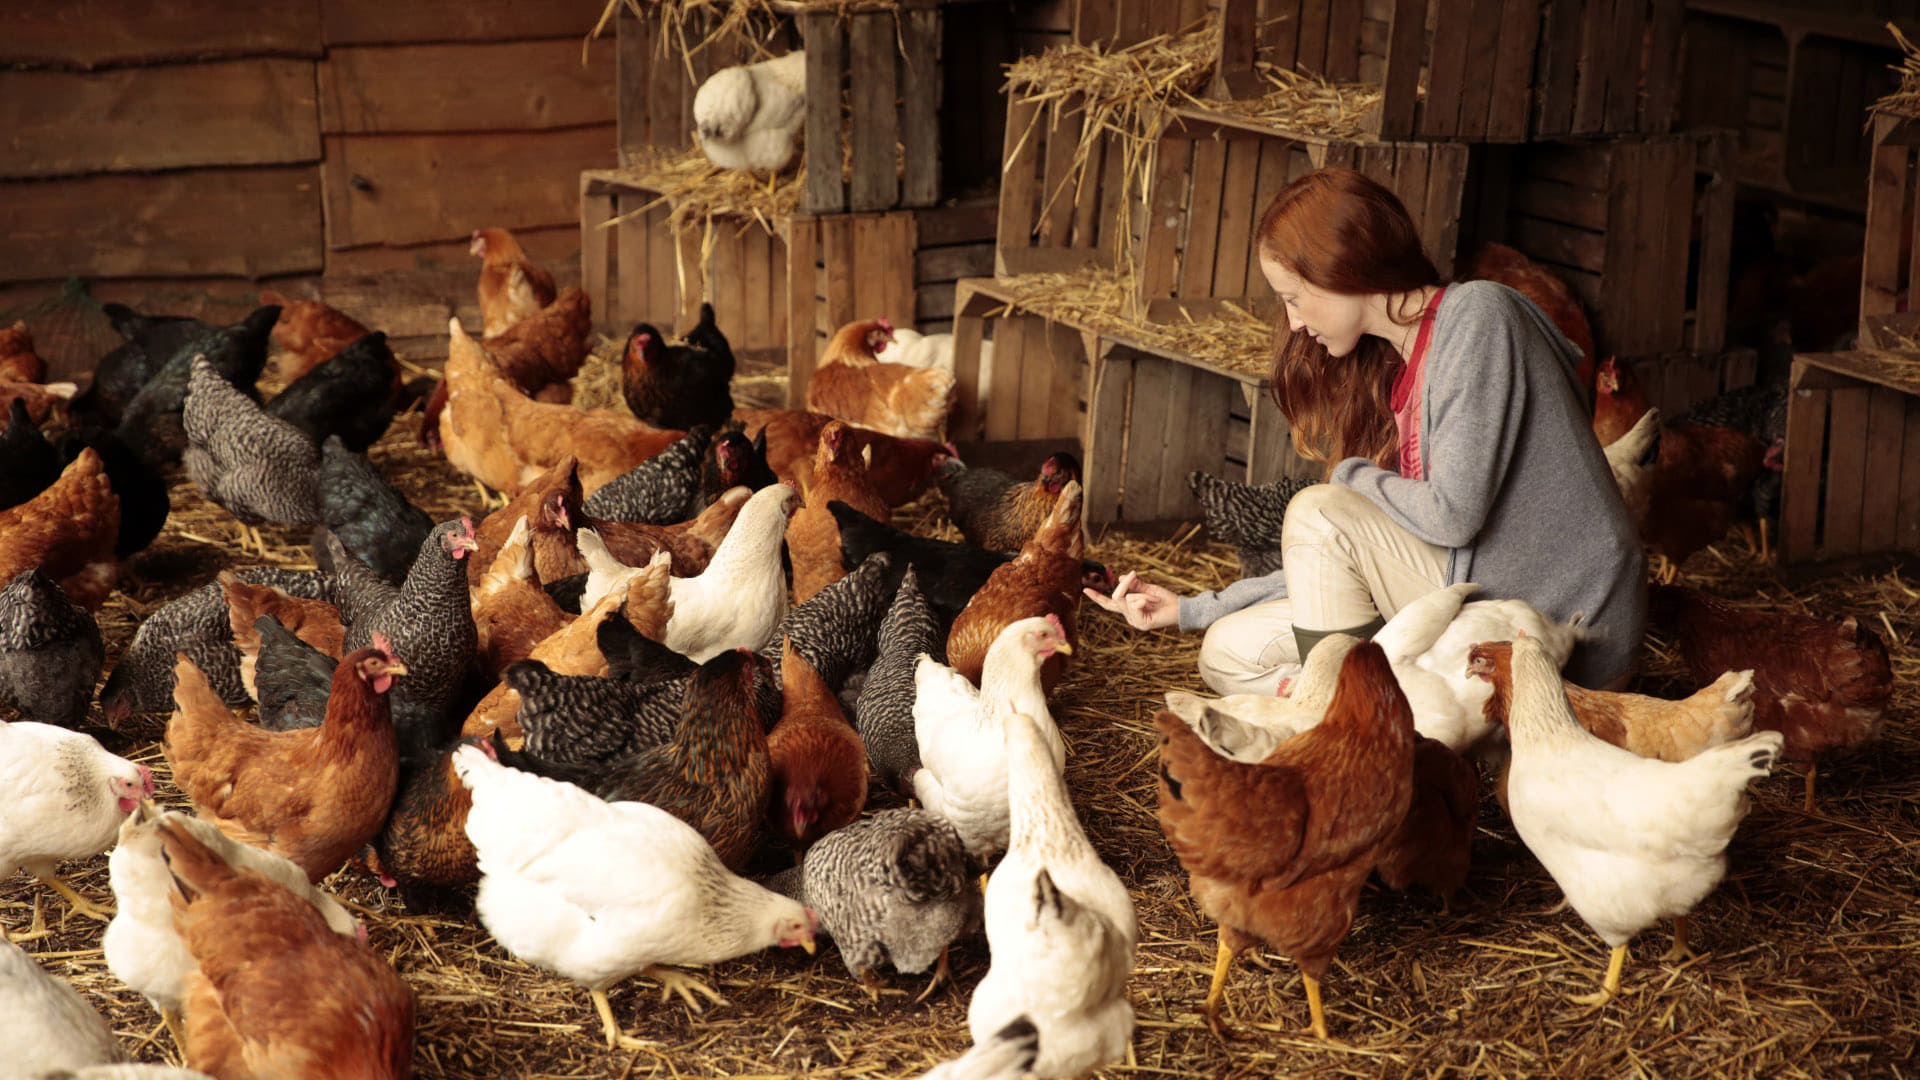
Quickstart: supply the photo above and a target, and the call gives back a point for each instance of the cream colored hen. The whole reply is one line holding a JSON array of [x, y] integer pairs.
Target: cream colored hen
[[748, 115]]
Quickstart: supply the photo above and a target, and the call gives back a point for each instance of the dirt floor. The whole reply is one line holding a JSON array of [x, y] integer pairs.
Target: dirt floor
[[1809, 958]]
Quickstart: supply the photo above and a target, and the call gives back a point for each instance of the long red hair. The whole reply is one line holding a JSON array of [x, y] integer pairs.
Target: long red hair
[[1344, 233]]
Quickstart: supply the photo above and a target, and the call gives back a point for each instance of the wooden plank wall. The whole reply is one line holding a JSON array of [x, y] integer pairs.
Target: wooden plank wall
[[202, 142], [888, 60], [842, 268]]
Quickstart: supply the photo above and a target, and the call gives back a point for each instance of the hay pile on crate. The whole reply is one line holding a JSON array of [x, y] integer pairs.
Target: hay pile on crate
[[1810, 961], [1904, 102], [1106, 301]]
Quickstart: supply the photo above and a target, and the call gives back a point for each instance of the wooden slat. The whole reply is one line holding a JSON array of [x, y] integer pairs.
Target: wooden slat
[[951, 263], [1067, 371], [801, 256], [1446, 186], [632, 240], [825, 191], [381, 90], [419, 188], [1009, 376], [1663, 67], [1164, 495], [1375, 162], [1036, 379], [1558, 243], [1566, 204], [1233, 74], [1168, 199], [1513, 71], [237, 112], [1087, 224], [1393, 118], [1104, 457], [1887, 197], [1907, 525], [1410, 183], [1623, 73], [1312, 47], [1095, 21], [669, 99], [1280, 33], [841, 263], [381, 22], [663, 272], [1202, 446], [1483, 56], [875, 184], [1203, 219], [1662, 289], [963, 423], [1716, 255], [1596, 59], [1343, 42], [1846, 462], [1121, 216], [1018, 175], [1885, 444], [1149, 418], [1275, 162], [92, 33], [595, 247], [1559, 67], [764, 302], [191, 223], [633, 59], [723, 284], [1064, 120], [1447, 77], [1237, 222], [920, 82]]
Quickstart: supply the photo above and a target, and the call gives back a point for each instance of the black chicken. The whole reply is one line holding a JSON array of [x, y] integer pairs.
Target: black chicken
[[736, 462], [369, 516], [28, 462], [144, 502], [351, 395], [150, 341], [679, 386], [151, 425]]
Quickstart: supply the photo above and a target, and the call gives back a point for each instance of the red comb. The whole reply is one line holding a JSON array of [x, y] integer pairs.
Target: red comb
[[381, 642], [1054, 621]]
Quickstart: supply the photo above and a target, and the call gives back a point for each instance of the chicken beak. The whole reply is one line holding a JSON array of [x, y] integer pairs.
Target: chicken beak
[[808, 945], [1063, 648], [395, 667]]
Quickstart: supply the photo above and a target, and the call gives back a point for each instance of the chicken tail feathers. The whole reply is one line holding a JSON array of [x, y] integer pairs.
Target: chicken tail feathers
[[929, 861]]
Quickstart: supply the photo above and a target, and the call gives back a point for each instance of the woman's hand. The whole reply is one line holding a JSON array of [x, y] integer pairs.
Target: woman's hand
[[1144, 606]]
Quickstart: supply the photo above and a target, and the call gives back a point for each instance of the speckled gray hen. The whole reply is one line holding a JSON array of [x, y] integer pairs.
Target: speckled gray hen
[[896, 886], [429, 620], [662, 490], [883, 714], [50, 651], [260, 467]]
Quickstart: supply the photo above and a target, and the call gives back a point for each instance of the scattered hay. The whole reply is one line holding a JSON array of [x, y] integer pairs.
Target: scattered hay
[[1304, 104], [1235, 340], [1809, 947], [1905, 101]]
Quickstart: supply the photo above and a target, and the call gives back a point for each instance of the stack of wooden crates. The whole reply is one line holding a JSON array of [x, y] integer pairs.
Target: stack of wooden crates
[[1543, 125], [900, 154]]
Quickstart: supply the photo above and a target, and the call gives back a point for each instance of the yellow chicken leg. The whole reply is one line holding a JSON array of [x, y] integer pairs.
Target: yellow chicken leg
[[1315, 1010], [1217, 993], [679, 982], [942, 972], [1679, 953], [171, 1018], [35, 930], [1766, 549], [1611, 984], [81, 905]]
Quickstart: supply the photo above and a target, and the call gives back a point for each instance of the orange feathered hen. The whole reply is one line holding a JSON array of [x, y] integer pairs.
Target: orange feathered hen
[[854, 384], [1044, 579], [813, 535], [68, 531], [309, 333]]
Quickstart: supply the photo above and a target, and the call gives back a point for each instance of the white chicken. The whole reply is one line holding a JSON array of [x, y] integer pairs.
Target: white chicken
[[748, 115], [142, 946], [1427, 643], [1060, 924], [915, 349], [1006, 1056], [741, 596], [605, 572], [1627, 456], [961, 731], [62, 796], [45, 1019], [598, 891], [1630, 840], [1247, 727]]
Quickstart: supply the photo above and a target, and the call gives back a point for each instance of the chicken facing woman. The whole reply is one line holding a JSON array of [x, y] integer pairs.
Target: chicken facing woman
[[1460, 444]]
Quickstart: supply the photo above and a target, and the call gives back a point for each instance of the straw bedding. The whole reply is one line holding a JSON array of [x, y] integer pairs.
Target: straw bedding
[[1810, 959]]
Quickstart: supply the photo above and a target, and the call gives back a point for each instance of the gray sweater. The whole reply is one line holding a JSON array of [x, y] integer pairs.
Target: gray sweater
[[1518, 488]]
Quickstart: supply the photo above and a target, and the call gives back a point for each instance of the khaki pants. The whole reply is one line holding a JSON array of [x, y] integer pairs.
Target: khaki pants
[[1346, 563]]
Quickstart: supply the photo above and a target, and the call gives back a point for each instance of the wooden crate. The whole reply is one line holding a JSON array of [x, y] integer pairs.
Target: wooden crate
[[1615, 218], [1213, 178], [1889, 277], [1117, 24], [1492, 70], [842, 268], [1056, 214], [1852, 480], [888, 62], [657, 80]]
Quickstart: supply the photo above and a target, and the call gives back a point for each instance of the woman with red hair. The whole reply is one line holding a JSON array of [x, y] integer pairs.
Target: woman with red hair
[[1460, 448]]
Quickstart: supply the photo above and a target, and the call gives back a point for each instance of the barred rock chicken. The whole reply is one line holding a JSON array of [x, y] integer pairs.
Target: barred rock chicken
[[836, 631], [512, 286], [883, 713], [1497, 262], [662, 490], [1650, 727], [714, 774], [28, 462], [351, 395], [748, 115], [48, 1026], [853, 384], [18, 361], [151, 423], [679, 386], [819, 762], [1824, 686], [68, 532], [142, 945], [308, 334], [149, 341], [50, 652], [1630, 840], [1247, 516], [961, 732], [61, 797], [901, 468], [368, 515], [594, 719], [1043, 580], [258, 466], [277, 992], [195, 623], [995, 511], [1060, 924], [314, 795], [1277, 852], [598, 891], [813, 536], [895, 887], [428, 620]]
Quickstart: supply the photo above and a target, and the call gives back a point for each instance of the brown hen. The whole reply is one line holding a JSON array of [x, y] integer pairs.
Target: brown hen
[[1433, 846], [512, 286], [68, 532], [854, 384], [1277, 852], [309, 333], [813, 536], [819, 761], [312, 795], [18, 361], [275, 992], [901, 468], [1043, 580], [316, 622], [511, 612]]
